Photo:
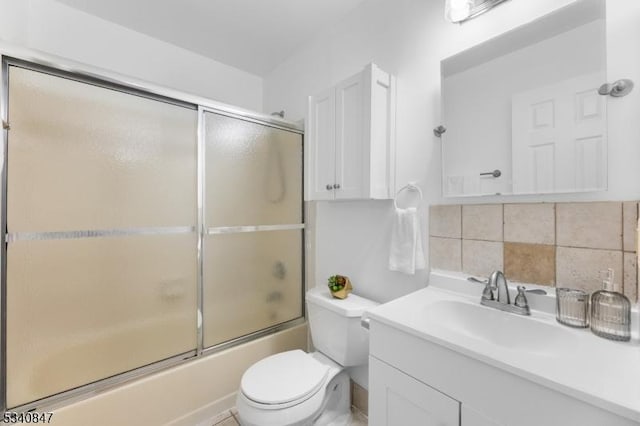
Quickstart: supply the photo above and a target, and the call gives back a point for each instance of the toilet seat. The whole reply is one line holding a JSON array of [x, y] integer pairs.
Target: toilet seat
[[283, 380]]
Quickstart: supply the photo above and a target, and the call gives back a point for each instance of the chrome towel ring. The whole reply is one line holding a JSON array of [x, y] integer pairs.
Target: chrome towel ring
[[411, 186]]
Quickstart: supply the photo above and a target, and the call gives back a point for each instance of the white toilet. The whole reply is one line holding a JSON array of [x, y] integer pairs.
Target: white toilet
[[297, 388]]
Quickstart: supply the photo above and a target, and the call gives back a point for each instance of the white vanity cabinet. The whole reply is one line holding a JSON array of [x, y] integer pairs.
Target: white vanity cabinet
[[414, 381], [350, 139], [399, 399]]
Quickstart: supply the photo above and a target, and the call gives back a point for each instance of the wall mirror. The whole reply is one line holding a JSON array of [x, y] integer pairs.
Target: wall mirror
[[522, 111]]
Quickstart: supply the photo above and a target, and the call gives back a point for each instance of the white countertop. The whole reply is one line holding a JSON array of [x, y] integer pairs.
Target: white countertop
[[573, 361]]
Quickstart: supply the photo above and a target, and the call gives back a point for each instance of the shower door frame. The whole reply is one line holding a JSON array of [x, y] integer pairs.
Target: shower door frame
[[52, 65]]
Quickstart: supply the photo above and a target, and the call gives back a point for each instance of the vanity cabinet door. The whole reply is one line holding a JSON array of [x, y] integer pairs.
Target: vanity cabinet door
[[398, 399], [470, 417]]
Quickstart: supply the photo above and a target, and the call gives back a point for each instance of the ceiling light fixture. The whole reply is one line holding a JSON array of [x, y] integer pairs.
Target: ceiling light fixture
[[458, 11]]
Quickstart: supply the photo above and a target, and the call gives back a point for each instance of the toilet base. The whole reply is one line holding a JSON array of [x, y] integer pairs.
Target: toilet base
[[337, 409], [328, 407]]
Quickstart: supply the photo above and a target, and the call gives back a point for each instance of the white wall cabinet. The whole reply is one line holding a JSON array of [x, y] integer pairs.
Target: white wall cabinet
[[350, 139]]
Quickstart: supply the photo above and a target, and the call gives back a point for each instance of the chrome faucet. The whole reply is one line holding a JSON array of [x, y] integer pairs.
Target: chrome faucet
[[496, 295], [498, 285]]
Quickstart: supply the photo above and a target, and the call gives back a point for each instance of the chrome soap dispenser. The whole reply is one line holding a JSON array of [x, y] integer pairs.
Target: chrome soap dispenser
[[610, 312]]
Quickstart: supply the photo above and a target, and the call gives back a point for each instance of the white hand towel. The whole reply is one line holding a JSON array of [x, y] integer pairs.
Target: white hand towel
[[406, 254]]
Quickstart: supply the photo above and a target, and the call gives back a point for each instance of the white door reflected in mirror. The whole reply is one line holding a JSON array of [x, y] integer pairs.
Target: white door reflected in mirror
[[526, 103], [559, 140]]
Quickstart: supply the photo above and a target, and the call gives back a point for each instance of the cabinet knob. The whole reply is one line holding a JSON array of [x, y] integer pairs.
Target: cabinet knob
[[329, 187], [336, 186]]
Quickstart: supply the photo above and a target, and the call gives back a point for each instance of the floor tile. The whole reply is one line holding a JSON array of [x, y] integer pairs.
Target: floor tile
[[357, 418], [229, 421]]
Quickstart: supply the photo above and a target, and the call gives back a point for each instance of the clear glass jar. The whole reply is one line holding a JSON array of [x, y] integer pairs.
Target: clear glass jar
[[572, 307]]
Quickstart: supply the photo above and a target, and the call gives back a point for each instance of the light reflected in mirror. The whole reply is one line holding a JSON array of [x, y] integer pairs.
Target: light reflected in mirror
[[522, 111]]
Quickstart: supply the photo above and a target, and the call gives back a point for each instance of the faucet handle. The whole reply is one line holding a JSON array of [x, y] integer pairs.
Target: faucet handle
[[521, 298], [487, 293]]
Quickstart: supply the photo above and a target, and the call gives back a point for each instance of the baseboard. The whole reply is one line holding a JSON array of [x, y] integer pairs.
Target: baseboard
[[204, 416]]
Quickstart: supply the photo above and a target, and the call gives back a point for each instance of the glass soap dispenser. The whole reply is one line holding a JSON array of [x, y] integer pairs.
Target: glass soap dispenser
[[610, 312]]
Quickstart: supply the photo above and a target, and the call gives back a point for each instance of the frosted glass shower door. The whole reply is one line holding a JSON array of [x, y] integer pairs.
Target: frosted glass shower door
[[101, 221], [253, 216]]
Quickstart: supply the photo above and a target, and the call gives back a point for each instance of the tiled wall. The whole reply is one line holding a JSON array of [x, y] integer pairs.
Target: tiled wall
[[556, 244]]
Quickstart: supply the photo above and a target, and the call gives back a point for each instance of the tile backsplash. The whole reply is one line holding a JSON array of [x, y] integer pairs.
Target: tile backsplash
[[555, 244]]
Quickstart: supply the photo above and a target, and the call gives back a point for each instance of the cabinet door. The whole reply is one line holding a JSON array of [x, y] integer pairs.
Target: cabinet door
[[350, 144], [320, 152], [470, 417], [398, 399]]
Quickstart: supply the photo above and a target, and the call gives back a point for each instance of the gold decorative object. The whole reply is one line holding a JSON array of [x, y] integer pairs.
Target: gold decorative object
[[340, 286]]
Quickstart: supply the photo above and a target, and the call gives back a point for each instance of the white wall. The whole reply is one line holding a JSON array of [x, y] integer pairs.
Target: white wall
[[409, 38], [13, 20], [57, 29]]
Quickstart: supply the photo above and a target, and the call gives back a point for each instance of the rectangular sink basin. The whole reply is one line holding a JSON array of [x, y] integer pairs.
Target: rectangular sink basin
[[509, 331]]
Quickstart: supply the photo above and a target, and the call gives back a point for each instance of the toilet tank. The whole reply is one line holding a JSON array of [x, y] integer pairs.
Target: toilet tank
[[335, 326]]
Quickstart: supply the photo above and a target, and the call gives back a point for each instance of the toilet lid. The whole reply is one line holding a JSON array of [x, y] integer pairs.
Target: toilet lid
[[283, 377]]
